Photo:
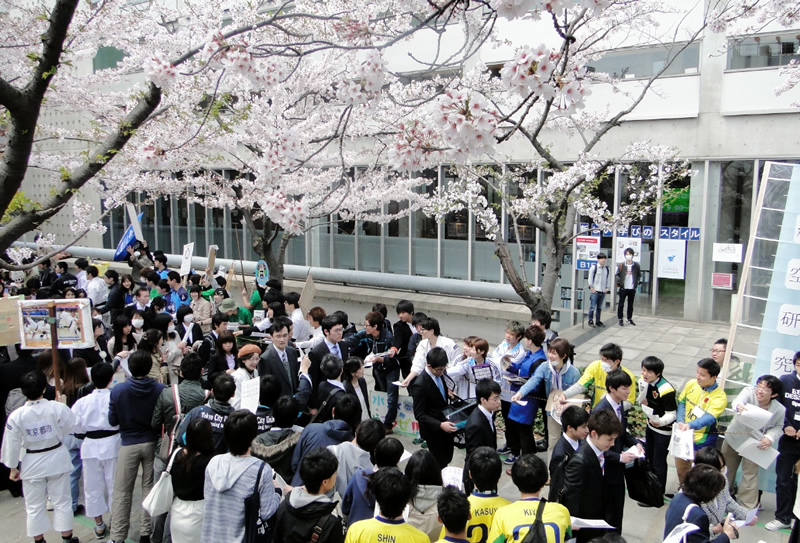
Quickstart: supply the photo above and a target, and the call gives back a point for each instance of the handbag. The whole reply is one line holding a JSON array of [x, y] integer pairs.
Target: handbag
[[168, 440], [643, 485], [159, 500], [255, 529], [459, 411]]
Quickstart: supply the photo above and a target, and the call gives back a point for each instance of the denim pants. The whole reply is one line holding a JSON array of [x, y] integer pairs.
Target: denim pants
[[596, 305], [73, 444], [385, 378]]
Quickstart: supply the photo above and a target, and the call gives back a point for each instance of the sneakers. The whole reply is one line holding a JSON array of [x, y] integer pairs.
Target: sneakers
[[591, 324], [510, 459], [631, 322], [100, 530], [600, 324], [776, 524], [505, 449], [417, 440], [621, 323], [78, 510]]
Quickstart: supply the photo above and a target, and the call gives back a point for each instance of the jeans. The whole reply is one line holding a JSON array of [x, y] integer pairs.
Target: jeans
[[596, 305], [73, 444], [624, 293], [384, 379]]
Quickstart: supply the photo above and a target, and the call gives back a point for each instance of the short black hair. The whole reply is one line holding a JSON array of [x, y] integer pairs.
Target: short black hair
[[535, 334], [224, 388], [381, 308], [102, 374], [618, 378], [92, 270], [269, 390], [172, 275], [158, 303], [431, 324], [529, 473], [388, 452], [81, 263], [292, 298], [160, 258], [772, 382], [316, 466], [604, 423], [192, 367], [153, 277], [600, 255], [612, 351], [574, 417], [348, 409], [196, 288], [628, 251], [710, 365], [331, 366], [218, 319], [139, 290], [710, 457], [436, 358], [33, 384], [543, 316], [654, 364], [112, 274], [721, 341], [392, 491], [454, 509], [328, 322], [418, 318], [163, 284], [485, 468], [404, 306], [285, 412], [281, 323], [341, 317], [368, 433], [63, 265], [140, 363], [702, 483], [240, 429], [485, 388]]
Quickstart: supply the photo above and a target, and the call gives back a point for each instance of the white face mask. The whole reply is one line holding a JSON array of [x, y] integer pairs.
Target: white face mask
[[171, 329], [628, 257], [137, 323], [554, 362], [137, 254], [606, 366], [188, 318]]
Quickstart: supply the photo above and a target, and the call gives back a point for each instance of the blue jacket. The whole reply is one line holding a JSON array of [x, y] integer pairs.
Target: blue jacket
[[525, 414], [696, 516], [131, 407], [332, 432], [357, 503]]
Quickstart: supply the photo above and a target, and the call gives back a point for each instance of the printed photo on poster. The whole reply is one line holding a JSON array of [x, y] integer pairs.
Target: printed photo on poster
[[624, 243], [73, 324], [671, 258]]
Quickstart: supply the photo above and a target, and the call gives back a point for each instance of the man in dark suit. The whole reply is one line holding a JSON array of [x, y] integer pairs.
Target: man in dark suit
[[280, 359], [584, 483], [618, 386], [332, 329], [431, 396], [480, 430], [401, 335], [332, 388], [573, 424]]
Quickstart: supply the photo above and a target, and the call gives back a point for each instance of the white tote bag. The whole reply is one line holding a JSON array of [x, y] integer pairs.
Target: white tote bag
[[159, 500]]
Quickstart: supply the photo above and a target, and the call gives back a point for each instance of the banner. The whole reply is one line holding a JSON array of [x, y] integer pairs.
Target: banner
[[128, 239], [73, 324], [186, 263], [671, 259], [624, 243], [586, 249]]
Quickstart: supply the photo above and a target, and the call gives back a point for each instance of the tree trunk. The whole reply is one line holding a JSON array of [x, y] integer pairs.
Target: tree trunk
[[533, 300]]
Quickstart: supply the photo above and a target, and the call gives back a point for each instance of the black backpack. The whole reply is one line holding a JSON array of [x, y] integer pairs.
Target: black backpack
[[537, 534]]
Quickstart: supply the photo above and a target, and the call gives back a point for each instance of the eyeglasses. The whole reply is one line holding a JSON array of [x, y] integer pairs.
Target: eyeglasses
[[718, 351], [763, 387], [437, 371]]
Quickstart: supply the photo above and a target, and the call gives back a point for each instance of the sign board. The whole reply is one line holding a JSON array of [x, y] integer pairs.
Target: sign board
[[9, 320], [781, 362], [406, 423], [586, 249], [727, 252], [722, 281], [793, 274], [212, 257], [307, 295], [648, 232], [624, 243], [186, 263], [73, 324], [672, 259]]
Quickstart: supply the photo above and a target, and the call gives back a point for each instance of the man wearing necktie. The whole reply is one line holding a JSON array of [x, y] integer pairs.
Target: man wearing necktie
[[430, 395], [280, 359]]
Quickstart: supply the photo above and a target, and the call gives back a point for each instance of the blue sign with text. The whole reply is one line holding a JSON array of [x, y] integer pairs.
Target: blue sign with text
[[647, 232], [694, 234]]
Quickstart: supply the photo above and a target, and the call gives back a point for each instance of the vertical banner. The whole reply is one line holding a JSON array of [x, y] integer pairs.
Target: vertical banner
[[672, 259], [624, 243], [586, 249], [186, 263]]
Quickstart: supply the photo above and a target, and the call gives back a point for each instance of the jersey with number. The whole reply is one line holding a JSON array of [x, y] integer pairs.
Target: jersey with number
[[512, 522], [383, 530], [483, 507]]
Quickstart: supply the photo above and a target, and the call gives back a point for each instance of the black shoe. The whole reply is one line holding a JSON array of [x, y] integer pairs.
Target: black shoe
[[640, 504], [79, 510], [620, 323], [144, 539], [591, 324], [600, 324], [669, 495], [541, 446], [631, 322]]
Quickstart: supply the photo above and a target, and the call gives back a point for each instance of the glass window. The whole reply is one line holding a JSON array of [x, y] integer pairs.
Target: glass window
[[527, 232], [396, 241], [456, 238], [762, 51], [369, 246], [426, 230], [107, 57], [199, 230], [344, 244], [148, 221], [485, 265], [216, 232], [183, 224], [164, 218], [238, 246], [296, 251], [646, 62]]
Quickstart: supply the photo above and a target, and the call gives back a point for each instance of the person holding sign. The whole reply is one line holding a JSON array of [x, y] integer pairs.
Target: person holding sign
[[760, 399], [700, 405]]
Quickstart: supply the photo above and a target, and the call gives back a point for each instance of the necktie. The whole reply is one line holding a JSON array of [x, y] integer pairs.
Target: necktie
[[619, 412], [602, 459], [286, 365], [441, 387], [336, 350]]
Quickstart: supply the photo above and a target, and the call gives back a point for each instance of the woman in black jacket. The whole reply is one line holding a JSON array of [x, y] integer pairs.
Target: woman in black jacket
[[224, 359], [354, 383], [188, 477]]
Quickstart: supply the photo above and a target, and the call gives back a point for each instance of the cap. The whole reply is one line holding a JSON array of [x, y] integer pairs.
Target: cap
[[227, 305]]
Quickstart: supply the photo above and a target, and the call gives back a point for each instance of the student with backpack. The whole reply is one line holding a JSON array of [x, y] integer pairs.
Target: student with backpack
[[551, 522], [599, 285], [358, 503]]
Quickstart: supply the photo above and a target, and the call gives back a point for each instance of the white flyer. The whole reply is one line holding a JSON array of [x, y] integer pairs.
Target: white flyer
[[250, 392]]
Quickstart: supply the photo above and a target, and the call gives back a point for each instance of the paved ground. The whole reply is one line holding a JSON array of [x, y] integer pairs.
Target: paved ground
[[679, 343]]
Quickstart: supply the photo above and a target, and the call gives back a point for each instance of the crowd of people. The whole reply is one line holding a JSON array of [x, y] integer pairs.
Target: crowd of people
[[260, 416]]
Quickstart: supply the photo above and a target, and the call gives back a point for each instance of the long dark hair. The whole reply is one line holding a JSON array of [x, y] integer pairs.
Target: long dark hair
[[130, 343], [149, 340], [199, 440], [423, 469], [75, 376], [351, 366]]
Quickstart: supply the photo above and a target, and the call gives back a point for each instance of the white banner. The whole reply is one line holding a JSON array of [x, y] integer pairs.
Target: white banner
[[671, 258], [624, 243], [186, 263]]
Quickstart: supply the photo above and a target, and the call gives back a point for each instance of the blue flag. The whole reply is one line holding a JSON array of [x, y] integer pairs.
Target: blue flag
[[128, 239]]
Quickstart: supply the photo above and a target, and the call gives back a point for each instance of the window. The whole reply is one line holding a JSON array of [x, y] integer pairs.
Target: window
[[107, 57], [762, 51], [646, 62]]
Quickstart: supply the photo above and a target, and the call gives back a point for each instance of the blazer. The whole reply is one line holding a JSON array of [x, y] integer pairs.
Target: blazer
[[584, 484], [197, 332], [615, 470], [271, 363], [362, 384], [217, 365], [428, 406], [324, 390], [478, 432], [562, 451], [315, 355]]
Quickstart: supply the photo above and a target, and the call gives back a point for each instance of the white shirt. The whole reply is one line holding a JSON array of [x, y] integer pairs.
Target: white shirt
[[420, 356], [83, 283], [91, 413], [97, 291], [629, 276], [574, 442], [301, 330], [598, 453], [615, 406], [38, 425], [487, 415], [316, 338]]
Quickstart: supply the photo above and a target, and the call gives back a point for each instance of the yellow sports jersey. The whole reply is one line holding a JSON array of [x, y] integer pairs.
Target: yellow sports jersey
[[594, 374], [698, 402], [512, 522], [381, 530], [482, 507]]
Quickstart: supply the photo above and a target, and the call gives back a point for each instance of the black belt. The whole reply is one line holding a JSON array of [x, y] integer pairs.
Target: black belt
[[54, 447], [100, 434]]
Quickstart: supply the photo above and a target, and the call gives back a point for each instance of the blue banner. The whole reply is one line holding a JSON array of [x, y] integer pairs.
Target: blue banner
[[128, 239]]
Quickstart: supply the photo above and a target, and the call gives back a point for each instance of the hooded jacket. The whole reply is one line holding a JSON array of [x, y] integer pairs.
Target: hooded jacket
[[423, 513], [229, 480], [357, 503], [276, 447], [214, 412], [315, 435], [351, 458], [301, 512], [131, 408]]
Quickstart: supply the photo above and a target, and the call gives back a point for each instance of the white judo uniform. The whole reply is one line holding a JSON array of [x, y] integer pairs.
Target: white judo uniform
[[99, 450], [34, 435]]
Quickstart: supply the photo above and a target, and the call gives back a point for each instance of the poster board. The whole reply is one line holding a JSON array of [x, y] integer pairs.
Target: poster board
[[307, 295], [672, 259], [406, 423], [212, 258], [9, 320], [186, 263], [73, 321], [624, 243], [586, 249]]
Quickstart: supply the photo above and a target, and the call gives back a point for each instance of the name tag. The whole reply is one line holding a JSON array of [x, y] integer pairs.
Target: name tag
[[697, 412], [797, 415]]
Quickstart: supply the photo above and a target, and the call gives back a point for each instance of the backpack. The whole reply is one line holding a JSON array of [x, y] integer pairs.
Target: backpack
[[15, 400], [537, 534]]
